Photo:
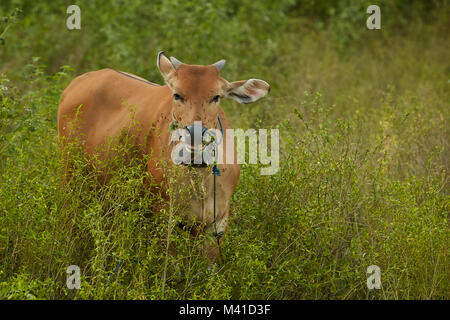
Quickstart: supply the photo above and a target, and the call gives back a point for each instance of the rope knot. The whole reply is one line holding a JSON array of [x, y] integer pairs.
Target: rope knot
[[216, 170], [218, 235]]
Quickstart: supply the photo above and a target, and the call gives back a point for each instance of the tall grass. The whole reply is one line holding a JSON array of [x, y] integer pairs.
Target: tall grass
[[363, 177]]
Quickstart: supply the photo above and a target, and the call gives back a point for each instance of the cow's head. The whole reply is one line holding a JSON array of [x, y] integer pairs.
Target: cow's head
[[197, 91]]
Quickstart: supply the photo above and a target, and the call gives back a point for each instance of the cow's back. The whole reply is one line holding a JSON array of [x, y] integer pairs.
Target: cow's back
[[98, 105]]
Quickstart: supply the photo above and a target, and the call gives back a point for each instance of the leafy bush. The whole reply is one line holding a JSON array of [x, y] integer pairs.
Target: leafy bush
[[363, 173]]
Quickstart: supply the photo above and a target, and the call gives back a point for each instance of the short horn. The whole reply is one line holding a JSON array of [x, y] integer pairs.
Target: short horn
[[175, 62], [219, 64]]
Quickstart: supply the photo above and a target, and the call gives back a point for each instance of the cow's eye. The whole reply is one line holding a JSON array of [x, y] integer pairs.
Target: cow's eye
[[215, 99], [176, 96]]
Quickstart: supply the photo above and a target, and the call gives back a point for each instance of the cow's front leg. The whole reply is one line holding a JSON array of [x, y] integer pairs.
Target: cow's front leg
[[214, 235]]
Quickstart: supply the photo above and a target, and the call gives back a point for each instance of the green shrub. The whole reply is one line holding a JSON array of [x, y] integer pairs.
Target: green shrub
[[364, 156]]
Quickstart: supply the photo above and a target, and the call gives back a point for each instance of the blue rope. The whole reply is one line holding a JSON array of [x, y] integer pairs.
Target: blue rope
[[216, 172], [221, 129]]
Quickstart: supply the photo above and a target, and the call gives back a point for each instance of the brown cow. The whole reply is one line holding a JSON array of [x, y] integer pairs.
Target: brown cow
[[192, 93]]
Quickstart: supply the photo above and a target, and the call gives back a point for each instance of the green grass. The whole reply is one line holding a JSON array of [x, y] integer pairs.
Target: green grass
[[363, 119]]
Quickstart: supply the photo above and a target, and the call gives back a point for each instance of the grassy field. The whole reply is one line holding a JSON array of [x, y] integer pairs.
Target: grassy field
[[364, 128]]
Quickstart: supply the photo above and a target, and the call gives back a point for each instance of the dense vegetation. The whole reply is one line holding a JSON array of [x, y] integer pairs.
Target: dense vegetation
[[364, 126]]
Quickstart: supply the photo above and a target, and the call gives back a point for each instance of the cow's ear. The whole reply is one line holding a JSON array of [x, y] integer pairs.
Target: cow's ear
[[248, 91], [164, 65]]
